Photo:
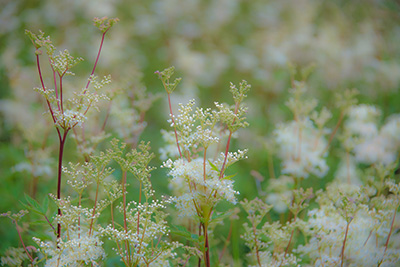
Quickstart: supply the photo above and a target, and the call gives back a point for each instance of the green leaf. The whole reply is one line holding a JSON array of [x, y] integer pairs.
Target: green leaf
[[213, 166], [40, 222], [181, 231], [229, 176], [45, 205], [194, 237], [219, 216], [33, 205]]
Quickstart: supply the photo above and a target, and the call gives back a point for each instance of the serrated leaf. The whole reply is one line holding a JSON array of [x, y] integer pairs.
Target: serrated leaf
[[30, 208], [181, 231], [213, 166], [33, 205]]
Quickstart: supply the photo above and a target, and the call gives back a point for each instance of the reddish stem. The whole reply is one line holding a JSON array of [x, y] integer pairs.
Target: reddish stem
[[206, 247], [334, 130], [107, 115], [226, 243], [228, 143], [23, 244], [60, 156], [390, 232], [97, 58], [94, 208], [55, 83], [61, 94], [221, 174], [44, 88], [344, 244], [204, 164]]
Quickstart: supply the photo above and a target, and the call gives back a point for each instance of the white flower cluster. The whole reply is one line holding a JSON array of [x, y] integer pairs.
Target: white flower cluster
[[279, 192], [366, 237], [80, 248], [276, 260], [375, 145], [190, 184], [145, 227], [231, 158], [301, 148]]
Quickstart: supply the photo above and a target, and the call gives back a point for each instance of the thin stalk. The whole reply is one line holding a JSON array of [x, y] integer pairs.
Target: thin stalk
[[127, 247], [271, 166], [173, 122], [61, 94], [221, 174], [299, 142], [23, 244], [226, 242], [124, 199], [204, 164], [44, 88], [186, 261], [153, 247], [140, 201], [255, 240], [348, 166], [199, 262], [116, 241], [228, 143], [107, 115], [206, 247], [94, 209], [334, 131], [344, 244], [390, 232], [294, 221], [47, 219], [290, 241], [369, 236], [97, 58], [60, 157], [55, 83], [79, 219]]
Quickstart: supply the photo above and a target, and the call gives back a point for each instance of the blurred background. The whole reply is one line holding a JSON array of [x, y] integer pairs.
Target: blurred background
[[352, 44]]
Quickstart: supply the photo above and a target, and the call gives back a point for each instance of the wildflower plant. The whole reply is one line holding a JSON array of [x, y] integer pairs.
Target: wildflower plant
[[302, 142], [67, 113], [198, 180], [107, 213], [270, 243]]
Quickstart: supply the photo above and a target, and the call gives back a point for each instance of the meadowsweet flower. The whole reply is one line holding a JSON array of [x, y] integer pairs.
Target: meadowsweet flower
[[16, 256], [279, 192], [367, 232], [145, 227], [375, 145], [186, 176], [362, 120], [80, 248], [301, 148]]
